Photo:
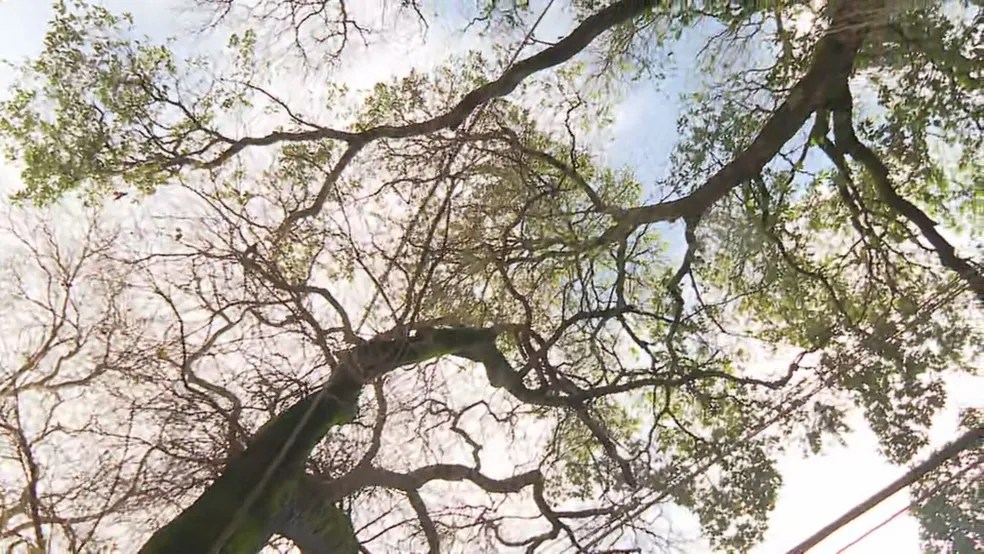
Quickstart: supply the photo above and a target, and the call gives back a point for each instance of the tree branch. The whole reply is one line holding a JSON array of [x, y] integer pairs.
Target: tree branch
[[235, 512], [847, 139], [833, 62]]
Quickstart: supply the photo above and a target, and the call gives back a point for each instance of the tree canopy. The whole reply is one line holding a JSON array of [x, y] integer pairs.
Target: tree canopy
[[268, 306]]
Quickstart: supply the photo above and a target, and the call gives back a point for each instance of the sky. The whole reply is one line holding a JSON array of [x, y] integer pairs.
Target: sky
[[816, 489]]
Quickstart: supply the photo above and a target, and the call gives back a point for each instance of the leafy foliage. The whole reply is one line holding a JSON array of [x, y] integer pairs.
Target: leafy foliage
[[949, 500], [655, 340]]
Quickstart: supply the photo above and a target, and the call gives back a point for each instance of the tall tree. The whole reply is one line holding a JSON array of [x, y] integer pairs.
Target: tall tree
[[458, 242]]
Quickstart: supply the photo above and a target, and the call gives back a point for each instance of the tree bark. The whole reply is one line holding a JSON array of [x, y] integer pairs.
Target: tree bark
[[236, 513]]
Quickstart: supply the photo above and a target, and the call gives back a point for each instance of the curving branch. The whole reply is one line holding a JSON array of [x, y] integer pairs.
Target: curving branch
[[426, 523], [833, 62], [847, 140], [558, 53], [554, 55], [330, 491], [371, 476]]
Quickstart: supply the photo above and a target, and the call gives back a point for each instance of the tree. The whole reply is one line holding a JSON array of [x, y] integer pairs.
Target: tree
[[455, 229]]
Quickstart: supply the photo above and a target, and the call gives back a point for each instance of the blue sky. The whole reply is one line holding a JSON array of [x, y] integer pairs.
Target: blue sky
[[817, 489]]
